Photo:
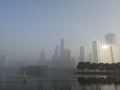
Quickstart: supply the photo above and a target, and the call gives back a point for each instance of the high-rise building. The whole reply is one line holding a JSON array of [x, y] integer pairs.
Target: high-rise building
[[85, 54], [62, 57], [68, 61], [101, 52], [5, 61], [62, 48], [67, 54], [110, 38], [115, 53], [57, 52], [42, 55]]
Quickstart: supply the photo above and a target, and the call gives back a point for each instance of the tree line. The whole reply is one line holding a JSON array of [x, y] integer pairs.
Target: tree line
[[98, 66]]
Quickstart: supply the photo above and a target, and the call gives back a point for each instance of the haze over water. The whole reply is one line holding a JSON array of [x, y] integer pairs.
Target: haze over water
[[26, 26]]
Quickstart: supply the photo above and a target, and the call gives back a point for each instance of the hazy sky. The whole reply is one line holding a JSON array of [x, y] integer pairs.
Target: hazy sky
[[28, 25]]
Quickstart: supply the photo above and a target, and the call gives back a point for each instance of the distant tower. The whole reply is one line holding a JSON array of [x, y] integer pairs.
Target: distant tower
[[67, 54], [42, 56], [110, 38], [85, 55], [101, 52], [56, 51], [62, 48], [4, 62]]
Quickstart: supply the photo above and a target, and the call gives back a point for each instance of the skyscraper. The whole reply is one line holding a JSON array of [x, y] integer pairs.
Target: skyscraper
[[85, 55], [57, 52], [62, 57], [101, 52], [62, 48], [67, 54], [42, 56], [5, 60], [110, 38], [115, 53]]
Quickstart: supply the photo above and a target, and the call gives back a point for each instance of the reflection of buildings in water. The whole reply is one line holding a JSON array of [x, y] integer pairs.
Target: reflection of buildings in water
[[108, 87], [67, 85], [111, 87], [90, 87], [94, 87], [98, 87], [61, 85], [58, 79], [75, 85], [116, 87], [45, 86], [55, 85]]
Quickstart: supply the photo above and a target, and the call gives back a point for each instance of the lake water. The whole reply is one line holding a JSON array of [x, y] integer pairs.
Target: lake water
[[55, 80]]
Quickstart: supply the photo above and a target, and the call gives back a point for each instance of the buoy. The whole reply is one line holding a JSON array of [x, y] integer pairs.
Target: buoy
[[24, 77]]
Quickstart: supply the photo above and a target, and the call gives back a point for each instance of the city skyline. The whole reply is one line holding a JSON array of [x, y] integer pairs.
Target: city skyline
[[27, 26], [60, 44], [97, 52]]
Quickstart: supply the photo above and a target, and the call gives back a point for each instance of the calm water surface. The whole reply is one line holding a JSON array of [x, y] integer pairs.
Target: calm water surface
[[55, 80]]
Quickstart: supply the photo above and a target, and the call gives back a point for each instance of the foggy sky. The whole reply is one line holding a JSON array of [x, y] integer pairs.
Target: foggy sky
[[26, 26]]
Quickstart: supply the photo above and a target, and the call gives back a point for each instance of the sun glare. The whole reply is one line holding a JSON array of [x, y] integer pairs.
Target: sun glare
[[105, 46]]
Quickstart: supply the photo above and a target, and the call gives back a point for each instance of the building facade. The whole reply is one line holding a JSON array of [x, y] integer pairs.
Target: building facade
[[85, 54], [115, 53], [101, 52], [110, 38]]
